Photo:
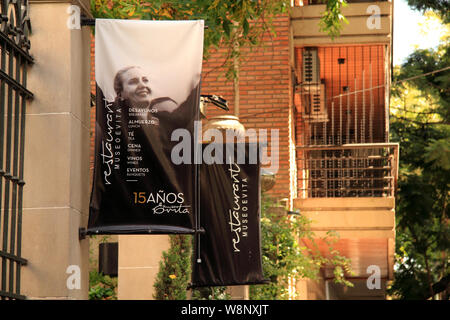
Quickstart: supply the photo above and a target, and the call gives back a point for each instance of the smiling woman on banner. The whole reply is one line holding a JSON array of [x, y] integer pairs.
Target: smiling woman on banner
[[141, 99], [133, 89], [132, 84]]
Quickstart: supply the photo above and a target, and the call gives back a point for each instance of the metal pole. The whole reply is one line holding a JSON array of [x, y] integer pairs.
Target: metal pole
[[363, 123], [2, 137], [371, 108], [348, 119], [324, 133], [21, 183], [14, 178], [340, 120], [356, 116], [332, 121], [315, 133], [8, 175]]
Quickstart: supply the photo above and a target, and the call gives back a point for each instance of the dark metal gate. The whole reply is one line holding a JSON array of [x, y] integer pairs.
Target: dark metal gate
[[15, 59]]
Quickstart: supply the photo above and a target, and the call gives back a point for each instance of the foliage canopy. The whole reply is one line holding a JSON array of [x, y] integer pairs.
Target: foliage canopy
[[420, 121], [231, 24]]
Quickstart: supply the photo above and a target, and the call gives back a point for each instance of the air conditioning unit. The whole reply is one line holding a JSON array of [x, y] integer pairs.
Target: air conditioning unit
[[313, 102], [311, 67]]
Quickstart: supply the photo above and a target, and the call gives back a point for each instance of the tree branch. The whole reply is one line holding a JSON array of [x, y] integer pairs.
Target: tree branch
[[418, 122], [439, 286]]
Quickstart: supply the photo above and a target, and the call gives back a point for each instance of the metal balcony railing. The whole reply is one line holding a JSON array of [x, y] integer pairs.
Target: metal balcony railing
[[352, 170], [351, 99], [14, 95]]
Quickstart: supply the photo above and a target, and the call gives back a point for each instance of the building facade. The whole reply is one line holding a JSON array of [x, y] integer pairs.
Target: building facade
[[45, 65], [329, 99]]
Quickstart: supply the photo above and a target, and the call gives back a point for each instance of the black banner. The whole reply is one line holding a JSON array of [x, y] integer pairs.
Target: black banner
[[148, 85], [229, 253]]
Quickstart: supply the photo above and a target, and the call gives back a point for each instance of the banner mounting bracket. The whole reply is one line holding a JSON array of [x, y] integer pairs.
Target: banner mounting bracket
[[81, 233], [85, 21]]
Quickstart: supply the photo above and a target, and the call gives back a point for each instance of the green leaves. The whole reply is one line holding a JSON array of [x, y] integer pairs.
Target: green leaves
[[102, 287], [226, 27], [439, 6], [420, 121], [332, 19], [174, 274], [437, 153], [246, 27], [285, 259], [174, 270], [231, 23]]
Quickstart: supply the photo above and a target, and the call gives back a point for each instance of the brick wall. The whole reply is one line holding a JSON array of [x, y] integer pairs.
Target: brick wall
[[264, 90]]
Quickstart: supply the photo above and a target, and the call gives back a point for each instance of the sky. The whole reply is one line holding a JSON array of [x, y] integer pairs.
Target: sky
[[408, 32]]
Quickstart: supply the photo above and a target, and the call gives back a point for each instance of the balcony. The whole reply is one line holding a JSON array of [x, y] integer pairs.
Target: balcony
[[349, 189], [342, 99], [348, 171], [305, 23]]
